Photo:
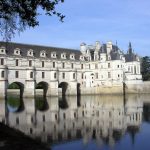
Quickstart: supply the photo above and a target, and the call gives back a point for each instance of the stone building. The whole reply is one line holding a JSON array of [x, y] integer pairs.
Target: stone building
[[95, 69]]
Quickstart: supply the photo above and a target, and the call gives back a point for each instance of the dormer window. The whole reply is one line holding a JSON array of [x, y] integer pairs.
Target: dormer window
[[63, 55], [43, 54], [17, 51], [2, 50], [72, 56], [30, 52], [81, 57], [53, 55]]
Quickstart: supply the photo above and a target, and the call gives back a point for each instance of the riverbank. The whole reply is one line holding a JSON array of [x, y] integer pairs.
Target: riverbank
[[11, 139]]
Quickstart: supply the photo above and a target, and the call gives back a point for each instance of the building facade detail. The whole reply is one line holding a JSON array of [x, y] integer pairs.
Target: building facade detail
[[65, 70]]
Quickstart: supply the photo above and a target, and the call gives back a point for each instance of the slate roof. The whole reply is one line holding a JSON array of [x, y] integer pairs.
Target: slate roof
[[115, 53], [130, 57], [37, 49]]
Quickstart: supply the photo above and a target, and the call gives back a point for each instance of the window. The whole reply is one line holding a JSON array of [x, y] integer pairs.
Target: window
[[96, 66], [96, 75], [2, 61], [63, 75], [82, 75], [72, 56], [72, 65], [2, 50], [30, 63], [43, 54], [74, 75], [53, 54], [53, 64], [30, 52], [63, 65], [55, 75], [43, 74], [31, 74], [64, 115], [118, 75], [17, 74], [89, 66], [81, 66], [63, 55], [108, 65], [17, 62], [109, 75], [118, 66], [42, 63], [2, 74], [17, 51]]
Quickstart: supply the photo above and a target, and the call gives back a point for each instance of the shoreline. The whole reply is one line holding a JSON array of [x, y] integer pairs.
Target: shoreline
[[14, 139]]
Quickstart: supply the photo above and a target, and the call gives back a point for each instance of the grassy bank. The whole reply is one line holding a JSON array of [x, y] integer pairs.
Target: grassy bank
[[11, 139]]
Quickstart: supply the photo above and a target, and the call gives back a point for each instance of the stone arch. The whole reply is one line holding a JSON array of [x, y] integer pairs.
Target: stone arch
[[63, 86], [14, 87], [42, 85]]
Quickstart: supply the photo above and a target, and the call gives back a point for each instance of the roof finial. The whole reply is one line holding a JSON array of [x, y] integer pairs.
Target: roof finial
[[130, 48]]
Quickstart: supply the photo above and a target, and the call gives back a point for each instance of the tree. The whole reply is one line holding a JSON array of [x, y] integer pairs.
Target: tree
[[145, 65], [16, 15]]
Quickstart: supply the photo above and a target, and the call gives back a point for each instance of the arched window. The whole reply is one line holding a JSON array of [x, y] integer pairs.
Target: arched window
[[2, 74]]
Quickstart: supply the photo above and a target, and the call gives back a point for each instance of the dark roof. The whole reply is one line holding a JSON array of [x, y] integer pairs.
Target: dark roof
[[130, 57], [37, 48]]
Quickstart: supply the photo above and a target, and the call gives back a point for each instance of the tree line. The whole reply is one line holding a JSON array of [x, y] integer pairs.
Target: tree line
[[145, 68]]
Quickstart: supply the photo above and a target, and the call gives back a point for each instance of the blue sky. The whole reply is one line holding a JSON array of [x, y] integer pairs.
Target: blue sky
[[95, 20]]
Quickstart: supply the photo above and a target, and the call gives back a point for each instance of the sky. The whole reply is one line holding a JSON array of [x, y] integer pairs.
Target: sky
[[94, 20]]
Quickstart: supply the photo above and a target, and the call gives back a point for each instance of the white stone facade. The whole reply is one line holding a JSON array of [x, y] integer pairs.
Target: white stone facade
[[101, 65]]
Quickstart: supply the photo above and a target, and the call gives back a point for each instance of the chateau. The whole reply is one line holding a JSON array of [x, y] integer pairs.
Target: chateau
[[94, 69]]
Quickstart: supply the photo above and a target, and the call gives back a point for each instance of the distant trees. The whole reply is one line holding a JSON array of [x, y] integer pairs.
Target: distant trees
[[145, 66], [16, 15]]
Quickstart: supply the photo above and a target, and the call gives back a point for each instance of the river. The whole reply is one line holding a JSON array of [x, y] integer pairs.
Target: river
[[101, 122]]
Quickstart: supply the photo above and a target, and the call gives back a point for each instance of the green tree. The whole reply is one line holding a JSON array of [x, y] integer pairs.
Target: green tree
[[145, 65], [16, 15]]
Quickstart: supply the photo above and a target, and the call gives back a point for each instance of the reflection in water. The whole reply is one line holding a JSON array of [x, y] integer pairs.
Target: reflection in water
[[104, 119]]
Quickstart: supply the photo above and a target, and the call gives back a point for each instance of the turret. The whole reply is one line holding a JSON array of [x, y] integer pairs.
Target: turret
[[97, 46], [96, 51], [109, 47], [83, 48]]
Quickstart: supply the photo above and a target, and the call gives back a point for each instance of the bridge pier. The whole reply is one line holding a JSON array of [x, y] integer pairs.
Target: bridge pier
[[72, 89], [52, 89], [3, 88], [29, 88]]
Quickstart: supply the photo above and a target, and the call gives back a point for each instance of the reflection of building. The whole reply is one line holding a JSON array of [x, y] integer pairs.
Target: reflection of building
[[104, 118], [90, 70]]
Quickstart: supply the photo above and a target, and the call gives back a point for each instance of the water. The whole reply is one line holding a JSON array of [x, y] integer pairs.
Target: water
[[89, 122]]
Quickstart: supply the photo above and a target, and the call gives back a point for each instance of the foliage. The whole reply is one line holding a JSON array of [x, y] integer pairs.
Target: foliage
[[146, 68], [16, 15], [13, 101], [13, 86], [39, 103]]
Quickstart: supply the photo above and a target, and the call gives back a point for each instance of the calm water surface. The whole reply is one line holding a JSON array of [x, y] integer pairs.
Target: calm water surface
[[83, 123]]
